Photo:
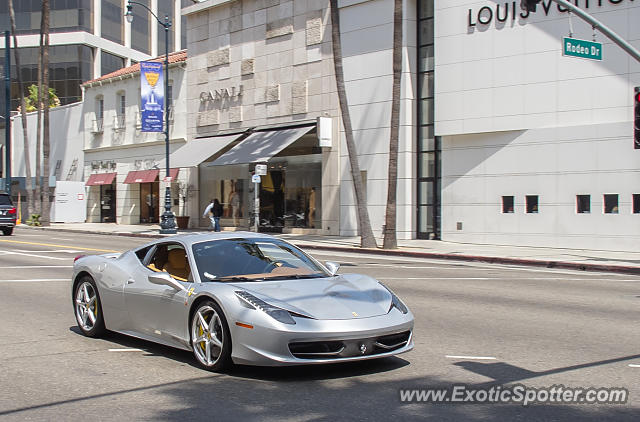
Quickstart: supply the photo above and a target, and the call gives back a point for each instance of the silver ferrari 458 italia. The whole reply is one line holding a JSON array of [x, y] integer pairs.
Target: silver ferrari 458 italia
[[241, 298]]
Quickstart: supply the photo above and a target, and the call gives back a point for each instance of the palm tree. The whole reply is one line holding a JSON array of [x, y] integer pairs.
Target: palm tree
[[46, 205], [390, 240], [23, 112], [367, 240], [38, 185]]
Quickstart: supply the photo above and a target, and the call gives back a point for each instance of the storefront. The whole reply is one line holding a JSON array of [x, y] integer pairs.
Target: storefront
[[290, 193], [102, 187]]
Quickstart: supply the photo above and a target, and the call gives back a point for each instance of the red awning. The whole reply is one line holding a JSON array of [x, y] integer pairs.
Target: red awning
[[173, 173], [142, 176], [148, 176], [100, 179]]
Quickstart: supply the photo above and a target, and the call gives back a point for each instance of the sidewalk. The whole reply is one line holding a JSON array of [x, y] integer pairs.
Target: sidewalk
[[577, 259]]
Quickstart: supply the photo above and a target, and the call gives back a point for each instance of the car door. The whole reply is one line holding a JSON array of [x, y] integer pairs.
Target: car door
[[156, 311]]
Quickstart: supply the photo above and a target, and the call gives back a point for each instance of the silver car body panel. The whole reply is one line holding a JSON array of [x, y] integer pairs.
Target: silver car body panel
[[333, 308]]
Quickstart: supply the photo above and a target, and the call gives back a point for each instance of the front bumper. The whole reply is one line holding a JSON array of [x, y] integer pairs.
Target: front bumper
[[271, 344]]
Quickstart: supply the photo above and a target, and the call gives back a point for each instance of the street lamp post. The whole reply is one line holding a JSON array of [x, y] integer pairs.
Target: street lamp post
[[167, 222]]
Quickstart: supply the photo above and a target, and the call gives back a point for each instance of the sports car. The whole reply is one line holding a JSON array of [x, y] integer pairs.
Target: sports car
[[242, 298]]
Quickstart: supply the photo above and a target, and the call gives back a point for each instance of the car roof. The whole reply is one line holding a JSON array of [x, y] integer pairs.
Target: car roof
[[189, 239]]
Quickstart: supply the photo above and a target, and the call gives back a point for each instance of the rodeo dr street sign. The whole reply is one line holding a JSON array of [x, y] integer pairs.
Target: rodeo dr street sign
[[581, 48]]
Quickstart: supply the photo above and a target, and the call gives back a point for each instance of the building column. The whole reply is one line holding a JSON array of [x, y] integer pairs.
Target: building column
[[177, 26], [154, 28]]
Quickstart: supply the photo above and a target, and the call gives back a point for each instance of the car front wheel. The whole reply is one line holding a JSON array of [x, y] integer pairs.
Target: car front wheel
[[210, 337]]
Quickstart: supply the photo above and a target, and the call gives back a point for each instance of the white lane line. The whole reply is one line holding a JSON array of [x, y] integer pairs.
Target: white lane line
[[502, 278], [35, 256], [471, 357], [36, 266], [633, 365], [54, 251], [34, 280], [125, 350]]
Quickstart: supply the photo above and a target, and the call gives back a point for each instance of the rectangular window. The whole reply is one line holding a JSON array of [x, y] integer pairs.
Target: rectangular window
[[611, 203], [636, 203], [122, 104], [583, 204], [532, 204], [507, 204]]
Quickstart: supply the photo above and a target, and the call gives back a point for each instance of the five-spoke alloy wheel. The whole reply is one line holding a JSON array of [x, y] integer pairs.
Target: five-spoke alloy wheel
[[210, 337], [87, 308]]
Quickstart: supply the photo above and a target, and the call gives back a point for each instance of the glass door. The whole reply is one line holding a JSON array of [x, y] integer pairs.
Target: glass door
[[149, 202], [108, 203]]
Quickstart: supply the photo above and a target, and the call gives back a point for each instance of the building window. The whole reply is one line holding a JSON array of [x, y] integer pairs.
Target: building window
[[112, 27], [583, 204], [611, 203], [110, 63], [121, 108], [532, 204], [636, 203], [429, 145], [507, 204]]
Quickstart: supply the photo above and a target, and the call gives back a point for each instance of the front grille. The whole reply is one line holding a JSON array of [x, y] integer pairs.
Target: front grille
[[336, 349]]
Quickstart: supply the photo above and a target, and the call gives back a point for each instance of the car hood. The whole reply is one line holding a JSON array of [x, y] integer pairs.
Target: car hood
[[345, 296]]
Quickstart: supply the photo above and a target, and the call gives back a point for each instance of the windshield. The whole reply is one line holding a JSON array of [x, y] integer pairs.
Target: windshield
[[252, 260], [5, 200]]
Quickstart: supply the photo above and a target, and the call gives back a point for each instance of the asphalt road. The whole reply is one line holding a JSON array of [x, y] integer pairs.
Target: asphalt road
[[476, 324]]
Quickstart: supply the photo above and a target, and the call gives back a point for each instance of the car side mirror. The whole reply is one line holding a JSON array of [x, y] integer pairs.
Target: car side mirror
[[332, 267], [164, 279]]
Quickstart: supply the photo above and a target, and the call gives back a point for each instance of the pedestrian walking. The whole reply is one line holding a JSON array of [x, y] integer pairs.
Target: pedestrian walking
[[214, 212]]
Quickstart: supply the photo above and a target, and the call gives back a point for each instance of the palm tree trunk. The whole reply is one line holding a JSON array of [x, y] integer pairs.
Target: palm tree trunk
[[23, 112], [390, 240], [367, 240], [46, 205], [38, 188]]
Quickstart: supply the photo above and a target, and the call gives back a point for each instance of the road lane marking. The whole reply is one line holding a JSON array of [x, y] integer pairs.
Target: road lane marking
[[471, 357], [32, 280], [57, 246], [17, 267], [633, 365], [126, 350], [32, 255], [51, 251]]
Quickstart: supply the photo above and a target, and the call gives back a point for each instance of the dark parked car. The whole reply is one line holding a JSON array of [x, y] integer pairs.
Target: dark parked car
[[8, 214]]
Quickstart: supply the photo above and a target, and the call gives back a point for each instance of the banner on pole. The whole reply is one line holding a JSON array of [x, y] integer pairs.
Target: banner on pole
[[152, 96]]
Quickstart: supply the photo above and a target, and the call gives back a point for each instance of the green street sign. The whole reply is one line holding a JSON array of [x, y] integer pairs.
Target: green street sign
[[581, 48]]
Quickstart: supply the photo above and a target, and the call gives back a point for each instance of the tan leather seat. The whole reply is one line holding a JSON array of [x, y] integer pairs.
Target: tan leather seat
[[177, 265]]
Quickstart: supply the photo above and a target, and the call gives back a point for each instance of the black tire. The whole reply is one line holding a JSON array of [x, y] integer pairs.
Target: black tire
[[86, 326], [7, 231], [223, 361]]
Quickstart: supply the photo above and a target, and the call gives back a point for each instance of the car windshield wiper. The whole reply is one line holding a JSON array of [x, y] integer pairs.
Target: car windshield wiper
[[237, 278], [294, 276]]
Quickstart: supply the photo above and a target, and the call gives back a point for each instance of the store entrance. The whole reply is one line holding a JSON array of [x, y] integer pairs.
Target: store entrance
[[272, 201], [149, 202], [108, 203]]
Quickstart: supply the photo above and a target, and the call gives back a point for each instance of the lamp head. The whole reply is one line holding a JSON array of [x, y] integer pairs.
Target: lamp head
[[129, 14]]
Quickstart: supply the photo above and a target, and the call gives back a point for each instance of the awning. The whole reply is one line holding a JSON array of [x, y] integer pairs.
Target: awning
[[142, 176], [195, 152], [173, 174], [261, 146], [100, 179]]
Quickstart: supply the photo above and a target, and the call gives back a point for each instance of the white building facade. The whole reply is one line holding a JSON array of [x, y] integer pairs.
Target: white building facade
[[261, 78], [536, 147], [124, 168]]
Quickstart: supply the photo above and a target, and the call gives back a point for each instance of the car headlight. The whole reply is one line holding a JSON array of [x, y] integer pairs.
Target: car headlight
[[273, 311], [395, 301]]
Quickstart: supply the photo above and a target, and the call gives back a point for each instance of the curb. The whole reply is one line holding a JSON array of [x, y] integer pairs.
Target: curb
[[565, 265]]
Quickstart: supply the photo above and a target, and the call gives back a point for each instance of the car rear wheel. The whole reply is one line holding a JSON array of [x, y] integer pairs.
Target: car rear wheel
[[210, 337], [7, 231], [87, 308]]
